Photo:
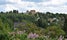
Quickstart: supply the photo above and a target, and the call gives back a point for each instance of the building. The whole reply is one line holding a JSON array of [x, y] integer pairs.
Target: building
[[31, 12]]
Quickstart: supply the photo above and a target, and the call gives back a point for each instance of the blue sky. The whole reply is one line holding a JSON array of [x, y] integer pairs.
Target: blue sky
[[55, 6]]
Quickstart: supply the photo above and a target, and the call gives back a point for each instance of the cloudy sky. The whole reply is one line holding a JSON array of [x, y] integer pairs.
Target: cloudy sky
[[59, 6]]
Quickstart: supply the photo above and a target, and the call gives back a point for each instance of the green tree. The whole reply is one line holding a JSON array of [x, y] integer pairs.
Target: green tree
[[54, 31], [15, 11]]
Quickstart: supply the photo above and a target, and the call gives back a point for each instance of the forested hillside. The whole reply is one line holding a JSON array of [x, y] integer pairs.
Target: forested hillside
[[15, 25]]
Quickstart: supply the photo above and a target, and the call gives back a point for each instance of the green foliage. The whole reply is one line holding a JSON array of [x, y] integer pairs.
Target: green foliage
[[40, 23], [23, 37], [54, 31]]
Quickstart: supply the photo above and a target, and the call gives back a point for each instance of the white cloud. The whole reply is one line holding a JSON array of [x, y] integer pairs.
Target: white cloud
[[10, 7], [2, 7], [14, 1], [52, 5]]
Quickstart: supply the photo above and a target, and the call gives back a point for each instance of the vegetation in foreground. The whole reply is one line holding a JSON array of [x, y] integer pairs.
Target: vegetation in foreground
[[26, 26]]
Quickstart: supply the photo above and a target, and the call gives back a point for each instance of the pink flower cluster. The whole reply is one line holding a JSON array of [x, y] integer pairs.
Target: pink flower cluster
[[33, 35], [61, 37]]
